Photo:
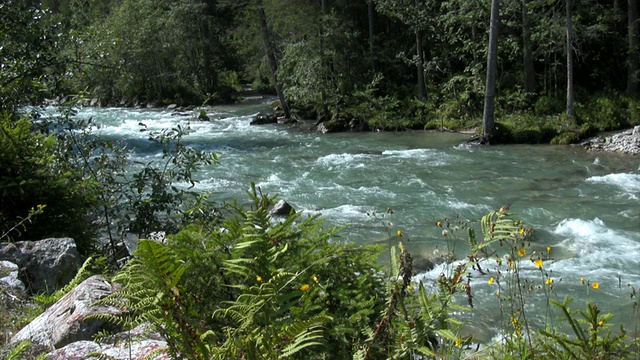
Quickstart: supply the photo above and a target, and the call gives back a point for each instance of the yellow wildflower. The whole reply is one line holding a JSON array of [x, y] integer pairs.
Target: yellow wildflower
[[459, 342], [315, 279], [304, 287], [601, 322], [549, 281], [548, 249], [258, 278], [521, 252], [538, 263], [521, 231], [595, 285], [410, 287], [439, 224], [491, 280], [399, 232], [582, 280]]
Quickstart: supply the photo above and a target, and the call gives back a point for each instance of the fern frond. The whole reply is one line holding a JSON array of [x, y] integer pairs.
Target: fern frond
[[18, 352]]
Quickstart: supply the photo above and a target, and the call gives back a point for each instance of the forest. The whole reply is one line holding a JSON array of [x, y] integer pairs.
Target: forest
[[563, 69]]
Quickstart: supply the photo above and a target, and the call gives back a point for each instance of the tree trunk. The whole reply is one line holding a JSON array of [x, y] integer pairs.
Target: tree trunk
[[271, 58], [488, 121], [569, 62], [421, 86], [527, 53], [420, 66], [371, 12], [634, 51], [210, 77]]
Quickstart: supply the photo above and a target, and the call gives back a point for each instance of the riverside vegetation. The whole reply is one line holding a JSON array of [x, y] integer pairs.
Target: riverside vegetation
[[232, 283]]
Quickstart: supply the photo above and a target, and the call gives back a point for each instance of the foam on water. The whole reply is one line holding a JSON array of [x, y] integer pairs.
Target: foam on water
[[597, 250], [342, 159], [628, 182], [346, 214]]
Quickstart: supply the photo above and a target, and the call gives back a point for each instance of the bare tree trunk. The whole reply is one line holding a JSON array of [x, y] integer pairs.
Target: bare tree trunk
[[371, 12], [420, 66], [324, 10], [634, 51], [271, 58], [488, 120], [421, 86], [527, 53], [569, 62]]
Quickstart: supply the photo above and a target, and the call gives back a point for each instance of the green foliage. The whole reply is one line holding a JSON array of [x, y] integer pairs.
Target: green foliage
[[257, 278], [591, 336], [19, 351], [28, 54], [34, 175]]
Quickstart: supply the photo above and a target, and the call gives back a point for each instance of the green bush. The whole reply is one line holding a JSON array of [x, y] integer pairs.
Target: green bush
[[34, 174]]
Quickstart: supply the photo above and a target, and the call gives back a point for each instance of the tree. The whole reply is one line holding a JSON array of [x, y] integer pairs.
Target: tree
[[271, 59], [488, 121], [412, 14], [633, 74], [29, 55], [570, 91], [527, 53]]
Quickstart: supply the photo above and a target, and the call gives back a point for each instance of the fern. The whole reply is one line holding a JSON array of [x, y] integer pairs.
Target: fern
[[18, 352], [84, 272]]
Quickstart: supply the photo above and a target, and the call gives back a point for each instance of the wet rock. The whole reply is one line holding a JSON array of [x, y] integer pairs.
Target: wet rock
[[45, 265], [263, 119], [202, 116], [281, 208], [68, 321]]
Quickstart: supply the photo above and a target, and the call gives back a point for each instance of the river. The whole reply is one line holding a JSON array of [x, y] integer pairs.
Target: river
[[583, 205]]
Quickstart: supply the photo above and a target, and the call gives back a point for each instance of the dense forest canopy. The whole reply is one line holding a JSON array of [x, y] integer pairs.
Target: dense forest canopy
[[367, 64]]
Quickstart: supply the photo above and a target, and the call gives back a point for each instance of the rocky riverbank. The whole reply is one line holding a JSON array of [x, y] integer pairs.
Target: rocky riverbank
[[626, 142]]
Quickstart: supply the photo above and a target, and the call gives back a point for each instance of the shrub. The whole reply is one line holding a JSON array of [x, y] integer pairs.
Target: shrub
[[34, 174]]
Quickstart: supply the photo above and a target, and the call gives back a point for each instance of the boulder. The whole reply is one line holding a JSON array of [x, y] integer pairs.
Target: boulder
[[137, 350], [45, 265], [263, 119], [281, 208], [11, 288], [67, 320], [139, 343]]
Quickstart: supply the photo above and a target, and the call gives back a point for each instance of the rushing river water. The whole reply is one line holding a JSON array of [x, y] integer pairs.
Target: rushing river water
[[584, 206]]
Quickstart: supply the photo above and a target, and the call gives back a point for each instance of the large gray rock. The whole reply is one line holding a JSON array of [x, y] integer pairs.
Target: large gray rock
[[137, 350], [45, 265], [140, 342], [66, 321]]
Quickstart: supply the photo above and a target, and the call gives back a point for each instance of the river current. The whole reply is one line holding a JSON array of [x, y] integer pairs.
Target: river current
[[585, 206]]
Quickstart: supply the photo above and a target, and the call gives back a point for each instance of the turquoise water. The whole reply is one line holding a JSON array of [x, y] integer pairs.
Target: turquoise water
[[584, 206]]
